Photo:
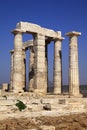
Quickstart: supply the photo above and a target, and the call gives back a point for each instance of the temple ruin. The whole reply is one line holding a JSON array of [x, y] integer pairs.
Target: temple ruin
[[38, 101], [38, 68]]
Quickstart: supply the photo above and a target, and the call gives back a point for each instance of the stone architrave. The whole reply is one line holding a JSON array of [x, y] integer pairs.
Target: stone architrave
[[31, 69], [57, 66], [17, 62], [36, 29], [73, 64], [40, 65], [11, 72]]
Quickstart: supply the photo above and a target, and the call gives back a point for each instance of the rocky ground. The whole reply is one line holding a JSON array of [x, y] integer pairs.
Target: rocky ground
[[69, 122]]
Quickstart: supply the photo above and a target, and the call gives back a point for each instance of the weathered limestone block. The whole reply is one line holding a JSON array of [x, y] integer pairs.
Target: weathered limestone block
[[2, 97], [76, 107], [41, 54], [75, 101], [41, 64], [47, 107], [40, 49], [8, 102], [4, 86], [10, 97], [3, 108], [50, 100], [73, 63], [40, 59]]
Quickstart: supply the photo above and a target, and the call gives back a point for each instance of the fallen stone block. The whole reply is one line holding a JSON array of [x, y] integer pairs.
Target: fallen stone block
[[47, 107]]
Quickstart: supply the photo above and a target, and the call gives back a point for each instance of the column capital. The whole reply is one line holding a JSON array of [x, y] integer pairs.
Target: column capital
[[59, 39], [73, 33], [15, 31]]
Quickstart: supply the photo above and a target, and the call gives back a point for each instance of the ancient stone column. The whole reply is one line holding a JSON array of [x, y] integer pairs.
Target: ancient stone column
[[31, 69], [46, 63], [24, 68], [17, 62], [40, 66], [73, 64], [57, 79], [11, 71]]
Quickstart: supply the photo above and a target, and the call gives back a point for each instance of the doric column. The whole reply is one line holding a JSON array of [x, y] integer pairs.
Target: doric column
[[11, 71], [46, 63], [57, 79], [24, 68], [73, 64], [40, 66], [31, 69], [17, 62]]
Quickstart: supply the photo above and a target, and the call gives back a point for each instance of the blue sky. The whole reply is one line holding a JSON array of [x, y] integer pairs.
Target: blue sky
[[59, 15]]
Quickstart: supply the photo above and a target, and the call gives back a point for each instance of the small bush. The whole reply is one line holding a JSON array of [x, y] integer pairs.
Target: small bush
[[20, 105]]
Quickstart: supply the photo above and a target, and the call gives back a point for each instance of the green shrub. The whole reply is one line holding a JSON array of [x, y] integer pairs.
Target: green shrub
[[20, 105]]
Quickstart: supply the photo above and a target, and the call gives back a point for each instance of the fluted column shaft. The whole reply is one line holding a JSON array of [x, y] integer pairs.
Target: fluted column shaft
[[73, 64], [31, 69], [40, 64], [46, 64], [24, 68], [18, 62], [11, 71], [57, 79]]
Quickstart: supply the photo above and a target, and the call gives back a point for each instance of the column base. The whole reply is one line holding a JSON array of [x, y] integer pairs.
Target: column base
[[57, 91], [18, 91], [39, 92], [31, 89], [76, 96]]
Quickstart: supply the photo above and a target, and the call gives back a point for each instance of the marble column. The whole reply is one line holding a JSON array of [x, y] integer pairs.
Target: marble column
[[11, 71], [40, 66], [73, 64], [31, 70], [24, 68], [46, 64], [57, 79], [17, 62]]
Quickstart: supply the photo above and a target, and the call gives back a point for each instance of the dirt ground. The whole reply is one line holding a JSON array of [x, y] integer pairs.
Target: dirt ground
[[70, 122]]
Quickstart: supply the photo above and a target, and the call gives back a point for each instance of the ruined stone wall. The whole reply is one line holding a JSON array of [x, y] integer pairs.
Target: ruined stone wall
[[50, 105]]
